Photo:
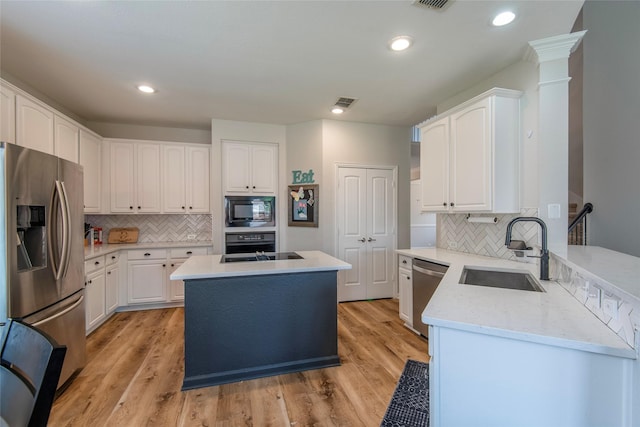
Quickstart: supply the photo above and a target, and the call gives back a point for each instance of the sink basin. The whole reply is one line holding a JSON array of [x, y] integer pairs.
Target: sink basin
[[507, 279]]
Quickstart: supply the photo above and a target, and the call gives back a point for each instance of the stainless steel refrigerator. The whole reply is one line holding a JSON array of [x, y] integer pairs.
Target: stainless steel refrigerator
[[42, 247]]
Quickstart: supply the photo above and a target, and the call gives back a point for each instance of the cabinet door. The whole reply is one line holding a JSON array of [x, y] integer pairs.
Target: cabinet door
[[148, 178], [174, 179], [434, 169], [406, 295], [236, 167], [112, 284], [471, 165], [7, 115], [34, 125], [176, 287], [95, 293], [197, 184], [91, 160], [264, 158], [146, 281], [122, 177], [66, 136]]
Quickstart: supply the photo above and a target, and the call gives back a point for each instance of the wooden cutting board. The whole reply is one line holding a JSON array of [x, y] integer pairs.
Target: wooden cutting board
[[123, 235]]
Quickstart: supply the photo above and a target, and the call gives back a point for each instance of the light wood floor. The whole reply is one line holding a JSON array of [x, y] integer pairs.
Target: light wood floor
[[135, 369]]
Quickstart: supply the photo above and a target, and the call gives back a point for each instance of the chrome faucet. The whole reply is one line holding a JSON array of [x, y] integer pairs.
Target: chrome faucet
[[544, 255]]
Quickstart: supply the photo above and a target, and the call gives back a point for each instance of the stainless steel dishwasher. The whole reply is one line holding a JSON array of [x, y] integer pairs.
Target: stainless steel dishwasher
[[426, 277]]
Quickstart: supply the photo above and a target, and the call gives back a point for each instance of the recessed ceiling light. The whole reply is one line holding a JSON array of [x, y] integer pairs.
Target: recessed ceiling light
[[337, 110], [503, 18], [400, 43], [146, 89]]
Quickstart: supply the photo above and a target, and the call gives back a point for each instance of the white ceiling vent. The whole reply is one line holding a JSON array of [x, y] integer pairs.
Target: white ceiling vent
[[345, 102], [431, 4]]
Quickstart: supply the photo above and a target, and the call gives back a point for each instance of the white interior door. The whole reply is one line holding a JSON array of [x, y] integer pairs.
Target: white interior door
[[366, 232]]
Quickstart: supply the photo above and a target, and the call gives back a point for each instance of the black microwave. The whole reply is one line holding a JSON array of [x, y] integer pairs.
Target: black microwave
[[250, 211]]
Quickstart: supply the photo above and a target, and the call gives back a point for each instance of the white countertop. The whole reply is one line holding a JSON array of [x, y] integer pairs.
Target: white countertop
[[105, 248], [619, 270], [209, 266], [553, 317]]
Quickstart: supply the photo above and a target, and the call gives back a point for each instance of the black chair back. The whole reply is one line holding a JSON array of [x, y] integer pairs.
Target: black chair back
[[31, 365]]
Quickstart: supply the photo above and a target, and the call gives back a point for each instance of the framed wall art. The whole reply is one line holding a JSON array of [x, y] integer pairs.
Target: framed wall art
[[303, 205]]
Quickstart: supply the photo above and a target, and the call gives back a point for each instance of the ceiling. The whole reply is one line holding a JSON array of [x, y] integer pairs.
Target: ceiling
[[278, 62]]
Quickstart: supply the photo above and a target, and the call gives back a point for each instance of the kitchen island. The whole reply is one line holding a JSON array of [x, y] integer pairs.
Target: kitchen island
[[247, 320], [505, 357]]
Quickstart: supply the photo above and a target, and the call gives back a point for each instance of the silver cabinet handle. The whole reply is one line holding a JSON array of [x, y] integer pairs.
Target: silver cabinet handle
[[371, 240]]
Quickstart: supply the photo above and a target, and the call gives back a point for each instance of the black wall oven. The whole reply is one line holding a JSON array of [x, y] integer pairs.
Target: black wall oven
[[250, 242], [250, 211]]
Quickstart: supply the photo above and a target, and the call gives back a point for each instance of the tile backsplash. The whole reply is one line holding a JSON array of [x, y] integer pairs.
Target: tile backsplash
[[581, 283], [157, 228], [456, 233]]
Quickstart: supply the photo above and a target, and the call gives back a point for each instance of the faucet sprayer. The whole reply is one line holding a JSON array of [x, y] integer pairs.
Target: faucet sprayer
[[544, 255]]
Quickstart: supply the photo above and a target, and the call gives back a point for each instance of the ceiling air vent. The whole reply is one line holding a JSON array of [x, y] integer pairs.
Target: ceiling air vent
[[432, 4], [345, 102]]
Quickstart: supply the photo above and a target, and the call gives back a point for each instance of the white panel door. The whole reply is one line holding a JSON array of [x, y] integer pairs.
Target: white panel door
[[264, 164], [91, 161], [146, 281], [366, 233], [434, 169], [380, 233], [148, 178], [174, 179], [470, 188], [352, 222], [66, 138], [236, 167], [197, 185], [7, 115], [34, 125], [111, 288], [122, 177]]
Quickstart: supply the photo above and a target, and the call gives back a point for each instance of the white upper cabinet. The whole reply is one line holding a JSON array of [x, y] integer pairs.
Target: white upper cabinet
[[469, 157], [135, 177], [186, 179], [7, 115], [91, 161], [66, 138], [249, 168], [34, 125]]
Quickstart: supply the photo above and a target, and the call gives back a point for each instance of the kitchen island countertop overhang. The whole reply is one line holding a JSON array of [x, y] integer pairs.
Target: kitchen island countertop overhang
[[246, 320]]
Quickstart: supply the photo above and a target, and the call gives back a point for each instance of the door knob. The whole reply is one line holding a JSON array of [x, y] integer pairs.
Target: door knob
[[362, 240], [371, 240]]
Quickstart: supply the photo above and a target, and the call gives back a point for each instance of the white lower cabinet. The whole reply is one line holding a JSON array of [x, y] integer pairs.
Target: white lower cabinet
[[177, 257], [101, 290], [147, 276], [405, 289]]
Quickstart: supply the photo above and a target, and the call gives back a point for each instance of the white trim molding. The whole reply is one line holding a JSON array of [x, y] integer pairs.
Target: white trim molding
[[553, 48]]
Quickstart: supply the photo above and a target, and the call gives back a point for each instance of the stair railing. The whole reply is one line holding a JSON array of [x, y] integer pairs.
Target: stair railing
[[578, 227]]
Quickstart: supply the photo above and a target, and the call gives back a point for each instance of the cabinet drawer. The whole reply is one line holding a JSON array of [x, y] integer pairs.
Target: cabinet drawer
[[113, 258], [148, 254], [404, 262], [93, 264], [177, 253]]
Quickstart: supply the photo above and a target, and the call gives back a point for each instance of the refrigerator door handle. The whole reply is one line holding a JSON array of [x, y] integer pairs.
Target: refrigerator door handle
[[66, 230], [58, 203], [61, 313]]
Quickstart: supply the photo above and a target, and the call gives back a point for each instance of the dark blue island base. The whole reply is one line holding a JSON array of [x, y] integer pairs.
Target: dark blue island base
[[245, 327]]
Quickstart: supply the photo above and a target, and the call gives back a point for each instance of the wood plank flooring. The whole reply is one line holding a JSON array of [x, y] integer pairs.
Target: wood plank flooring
[[135, 369]]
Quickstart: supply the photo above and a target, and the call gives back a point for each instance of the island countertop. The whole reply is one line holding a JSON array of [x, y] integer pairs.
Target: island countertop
[[553, 317], [209, 266]]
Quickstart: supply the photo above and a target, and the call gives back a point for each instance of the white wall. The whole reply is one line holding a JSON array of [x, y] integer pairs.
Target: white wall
[[364, 144], [154, 133], [611, 111], [229, 130], [304, 152]]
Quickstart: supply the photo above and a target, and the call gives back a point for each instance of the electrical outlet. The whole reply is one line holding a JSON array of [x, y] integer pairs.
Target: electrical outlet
[[191, 237], [452, 244], [595, 296], [610, 305]]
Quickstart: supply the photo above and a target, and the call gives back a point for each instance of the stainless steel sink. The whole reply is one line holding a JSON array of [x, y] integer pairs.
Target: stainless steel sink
[[500, 278]]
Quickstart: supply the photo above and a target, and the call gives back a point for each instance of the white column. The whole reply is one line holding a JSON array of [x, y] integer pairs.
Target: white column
[[553, 134]]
